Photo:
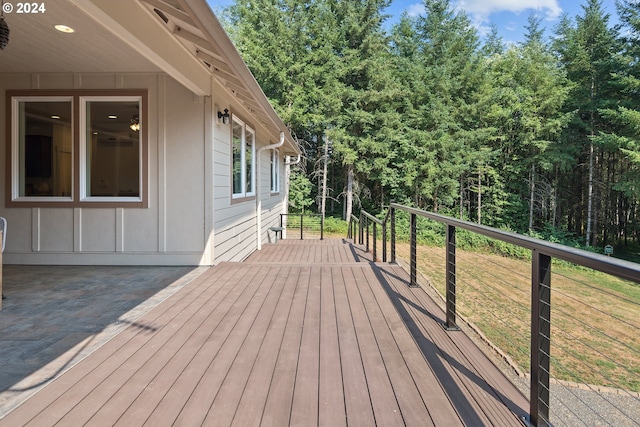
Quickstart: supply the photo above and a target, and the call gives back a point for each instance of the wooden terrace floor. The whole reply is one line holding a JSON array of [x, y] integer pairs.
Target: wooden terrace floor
[[304, 333]]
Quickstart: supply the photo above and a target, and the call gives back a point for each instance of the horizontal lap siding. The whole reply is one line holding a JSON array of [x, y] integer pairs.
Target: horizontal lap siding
[[235, 232]]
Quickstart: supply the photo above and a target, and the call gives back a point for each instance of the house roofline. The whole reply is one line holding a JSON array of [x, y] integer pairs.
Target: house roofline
[[208, 23]]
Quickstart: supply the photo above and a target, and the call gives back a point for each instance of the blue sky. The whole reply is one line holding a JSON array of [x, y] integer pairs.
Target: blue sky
[[510, 16]]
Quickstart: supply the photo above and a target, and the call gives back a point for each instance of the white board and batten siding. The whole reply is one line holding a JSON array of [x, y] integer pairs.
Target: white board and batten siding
[[191, 218]]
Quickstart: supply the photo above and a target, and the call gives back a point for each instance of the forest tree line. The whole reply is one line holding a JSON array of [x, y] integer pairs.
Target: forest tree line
[[542, 136]]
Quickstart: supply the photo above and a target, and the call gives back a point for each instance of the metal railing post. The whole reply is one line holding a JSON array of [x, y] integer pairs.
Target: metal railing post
[[301, 226], [384, 242], [361, 230], [451, 278], [322, 228], [375, 241], [354, 232], [540, 338], [367, 235], [393, 235], [414, 256]]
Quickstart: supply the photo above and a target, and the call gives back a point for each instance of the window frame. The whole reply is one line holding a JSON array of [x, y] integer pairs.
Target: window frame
[[247, 175], [82, 155], [14, 149], [78, 196]]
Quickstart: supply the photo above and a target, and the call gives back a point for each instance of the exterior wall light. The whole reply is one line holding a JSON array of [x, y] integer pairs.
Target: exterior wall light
[[224, 117]]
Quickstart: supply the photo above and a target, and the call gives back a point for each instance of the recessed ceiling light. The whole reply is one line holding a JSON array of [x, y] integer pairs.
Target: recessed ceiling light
[[55, 117], [64, 28], [112, 116]]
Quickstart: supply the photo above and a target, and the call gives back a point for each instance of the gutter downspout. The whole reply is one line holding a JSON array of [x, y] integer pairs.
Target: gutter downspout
[[295, 162], [258, 196]]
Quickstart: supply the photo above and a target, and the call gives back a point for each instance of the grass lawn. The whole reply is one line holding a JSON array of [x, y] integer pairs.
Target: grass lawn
[[595, 317]]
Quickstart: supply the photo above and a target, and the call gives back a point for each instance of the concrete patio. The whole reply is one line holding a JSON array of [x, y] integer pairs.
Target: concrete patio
[[55, 316]]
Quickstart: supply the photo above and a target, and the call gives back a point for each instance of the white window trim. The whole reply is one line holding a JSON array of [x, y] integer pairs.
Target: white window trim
[[243, 161], [275, 171], [15, 149], [83, 150]]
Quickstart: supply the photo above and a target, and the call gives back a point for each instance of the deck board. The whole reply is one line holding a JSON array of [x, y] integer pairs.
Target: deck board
[[331, 407], [303, 333], [383, 399], [252, 401], [304, 410], [277, 408], [358, 407]]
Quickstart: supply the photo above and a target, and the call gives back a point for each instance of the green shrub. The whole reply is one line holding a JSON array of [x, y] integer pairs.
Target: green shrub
[[334, 225]]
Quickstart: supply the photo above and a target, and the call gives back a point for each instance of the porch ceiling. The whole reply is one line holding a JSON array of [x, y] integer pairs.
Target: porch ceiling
[[182, 38], [35, 46]]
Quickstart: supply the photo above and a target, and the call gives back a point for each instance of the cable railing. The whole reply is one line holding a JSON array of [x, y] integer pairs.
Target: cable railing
[[573, 344], [306, 226]]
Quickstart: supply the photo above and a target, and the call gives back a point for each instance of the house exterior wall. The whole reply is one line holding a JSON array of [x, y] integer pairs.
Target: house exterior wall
[[272, 204], [235, 221], [190, 219], [171, 230]]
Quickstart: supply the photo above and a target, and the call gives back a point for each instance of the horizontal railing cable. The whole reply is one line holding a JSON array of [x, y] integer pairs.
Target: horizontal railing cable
[[558, 327], [601, 396], [605, 357]]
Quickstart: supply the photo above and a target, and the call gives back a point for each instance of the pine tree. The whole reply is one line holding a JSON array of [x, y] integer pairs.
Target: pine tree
[[361, 131], [587, 51], [439, 65], [621, 142]]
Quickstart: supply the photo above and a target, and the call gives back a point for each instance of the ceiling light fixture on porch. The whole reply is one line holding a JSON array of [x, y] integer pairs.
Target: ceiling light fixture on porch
[[135, 123], [224, 117], [64, 29], [4, 30]]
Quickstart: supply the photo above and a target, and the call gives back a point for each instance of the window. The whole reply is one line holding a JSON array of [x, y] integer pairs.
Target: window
[[275, 171], [78, 148], [42, 148], [110, 148], [243, 148]]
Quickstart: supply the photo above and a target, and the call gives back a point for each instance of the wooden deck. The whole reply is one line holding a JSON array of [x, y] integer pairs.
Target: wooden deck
[[303, 333]]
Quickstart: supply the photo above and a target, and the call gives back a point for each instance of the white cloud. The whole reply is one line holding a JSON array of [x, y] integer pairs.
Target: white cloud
[[481, 9], [415, 9]]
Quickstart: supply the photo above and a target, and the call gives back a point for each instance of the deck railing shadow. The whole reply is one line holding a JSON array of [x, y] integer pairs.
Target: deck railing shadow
[[435, 355], [545, 356]]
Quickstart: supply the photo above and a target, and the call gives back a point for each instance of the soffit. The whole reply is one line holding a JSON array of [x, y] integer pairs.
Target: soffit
[[36, 47], [197, 40]]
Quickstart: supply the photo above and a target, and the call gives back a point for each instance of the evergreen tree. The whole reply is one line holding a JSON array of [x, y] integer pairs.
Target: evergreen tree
[[621, 143], [529, 90], [362, 132], [587, 51], [440, 75]]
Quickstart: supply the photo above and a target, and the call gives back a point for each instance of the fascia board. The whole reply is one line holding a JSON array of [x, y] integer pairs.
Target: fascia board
[[134, 25], [201, 13]]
